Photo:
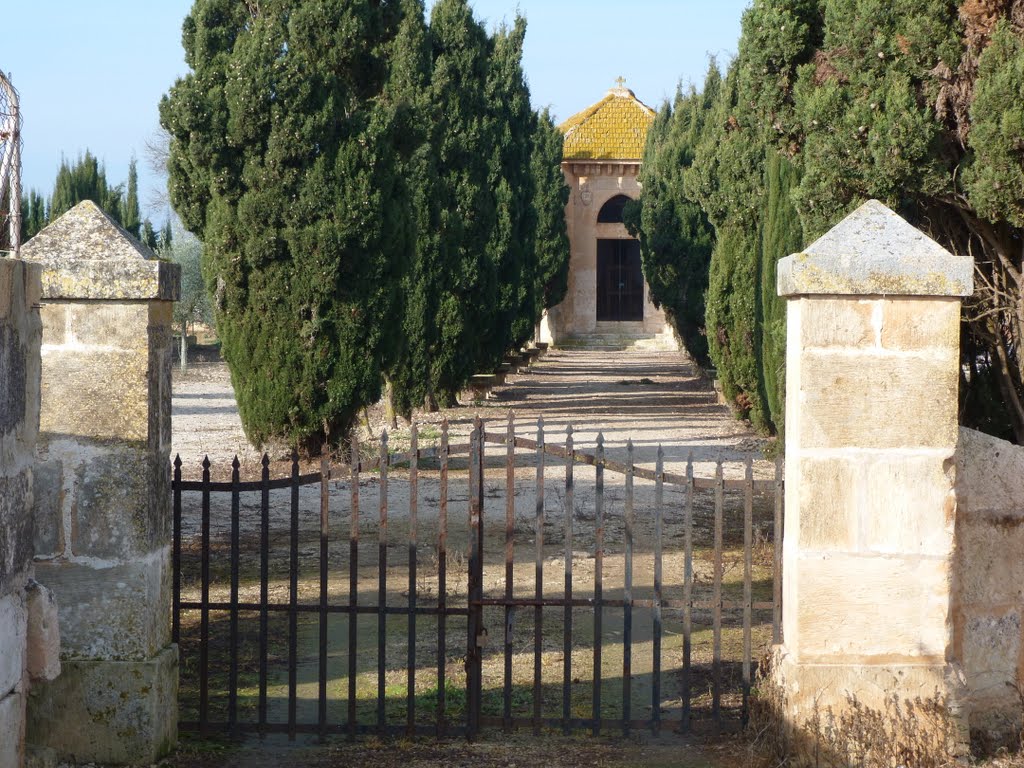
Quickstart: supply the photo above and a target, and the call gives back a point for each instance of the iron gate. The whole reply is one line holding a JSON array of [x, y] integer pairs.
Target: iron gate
[[251, 619]]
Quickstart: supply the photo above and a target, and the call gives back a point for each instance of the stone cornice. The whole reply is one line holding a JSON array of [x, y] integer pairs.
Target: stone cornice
[[581, 168]]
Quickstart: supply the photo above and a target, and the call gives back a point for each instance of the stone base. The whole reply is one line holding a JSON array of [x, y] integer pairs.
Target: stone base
[[112, 712], [863, 714], [12, 726]]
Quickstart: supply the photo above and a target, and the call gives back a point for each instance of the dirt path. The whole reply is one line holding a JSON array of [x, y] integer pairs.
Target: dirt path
[[653, 398]]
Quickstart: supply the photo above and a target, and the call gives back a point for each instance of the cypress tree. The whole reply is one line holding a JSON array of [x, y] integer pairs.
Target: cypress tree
[[511, 124], [454, 287], [284, 156], [131, 218], [676, 238], [781, 235], [550, 196], [86, 179]]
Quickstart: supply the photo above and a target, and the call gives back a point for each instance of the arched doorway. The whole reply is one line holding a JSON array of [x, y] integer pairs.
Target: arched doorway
[[620, 279]]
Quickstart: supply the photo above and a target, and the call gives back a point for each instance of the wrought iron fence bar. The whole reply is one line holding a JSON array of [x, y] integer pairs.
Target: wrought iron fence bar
[[598, 580], [687, 597], [204, 628], [659, 512], [410, 711], [442, 587], [325, 508], [233, 621], [510, 519], [176, 552], [500, 602], [748, 591], [391, 610], [567, 615], [293, 601], [382, 583], [627, 594], [474, 627], [538, 611], [353, 588], [716, 684], [264, 632]]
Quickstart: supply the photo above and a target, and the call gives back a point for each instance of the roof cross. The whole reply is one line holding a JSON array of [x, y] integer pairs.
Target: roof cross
[[621, 81]]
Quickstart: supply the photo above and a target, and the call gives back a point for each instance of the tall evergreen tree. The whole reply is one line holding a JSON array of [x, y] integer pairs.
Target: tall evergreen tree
[[86, 179], [131, 219], [550, 196], [283, 157], [781, 235], [33, 214], [675, 235], [511, 124], [455, 283]]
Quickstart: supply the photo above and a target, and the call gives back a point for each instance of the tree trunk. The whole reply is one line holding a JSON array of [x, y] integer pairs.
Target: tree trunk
[[183, 362], [389, 404], [430, 402]]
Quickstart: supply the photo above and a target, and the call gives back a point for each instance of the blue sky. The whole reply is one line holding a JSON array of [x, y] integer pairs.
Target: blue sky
[[90, 74]]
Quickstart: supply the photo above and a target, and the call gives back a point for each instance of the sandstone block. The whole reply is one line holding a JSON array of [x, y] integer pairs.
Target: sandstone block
[[990, 475], [133, 599], [15, 529], [844, 322], [109, 711], [55, 323], [871, 609], [43, 661], [889, 503], [915, 323], [991, 657], [121, 507], [989, 565], [106, 325], [48, 507], [13, 619], [12, 730], [102, 395], [869, 401], [828, 514]]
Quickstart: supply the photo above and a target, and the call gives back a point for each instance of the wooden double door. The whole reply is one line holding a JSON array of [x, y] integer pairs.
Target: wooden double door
[[620, 280]]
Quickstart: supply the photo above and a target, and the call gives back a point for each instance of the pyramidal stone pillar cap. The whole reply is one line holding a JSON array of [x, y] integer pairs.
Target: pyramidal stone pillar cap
[[873, 251], [85, 254]]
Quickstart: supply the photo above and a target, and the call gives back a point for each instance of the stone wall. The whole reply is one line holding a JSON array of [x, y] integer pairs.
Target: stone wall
[[102, 490], [989, 599], [28, 629]]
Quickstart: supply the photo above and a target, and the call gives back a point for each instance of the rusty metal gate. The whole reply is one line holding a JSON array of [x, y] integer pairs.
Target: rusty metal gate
[[286, 625]]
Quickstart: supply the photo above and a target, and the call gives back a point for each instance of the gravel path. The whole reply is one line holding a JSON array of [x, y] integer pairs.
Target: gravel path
[[653, 398]]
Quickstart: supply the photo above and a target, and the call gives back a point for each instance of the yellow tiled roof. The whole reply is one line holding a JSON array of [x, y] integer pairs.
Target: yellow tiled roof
[[615, 128]]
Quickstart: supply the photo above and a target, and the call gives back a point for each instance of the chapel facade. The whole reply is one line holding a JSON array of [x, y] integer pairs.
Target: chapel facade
[[608, 301]]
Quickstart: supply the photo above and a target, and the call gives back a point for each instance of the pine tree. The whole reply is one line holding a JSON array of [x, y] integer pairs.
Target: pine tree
[[284, 158]]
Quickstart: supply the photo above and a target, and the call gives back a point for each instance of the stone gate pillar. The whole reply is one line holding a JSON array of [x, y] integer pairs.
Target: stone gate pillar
[[102, 490], [872, 372]]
